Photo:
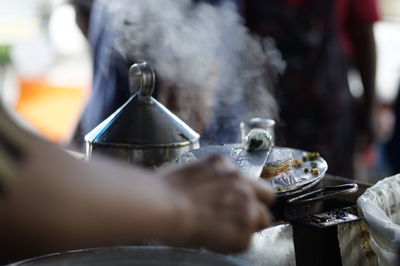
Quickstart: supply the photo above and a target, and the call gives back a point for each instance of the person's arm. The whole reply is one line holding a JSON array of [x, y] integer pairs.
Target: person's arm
[[362, 14], [52, 202], [365, 60]]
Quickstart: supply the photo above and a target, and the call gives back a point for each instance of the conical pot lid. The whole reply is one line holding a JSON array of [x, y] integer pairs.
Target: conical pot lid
[[142, 121]]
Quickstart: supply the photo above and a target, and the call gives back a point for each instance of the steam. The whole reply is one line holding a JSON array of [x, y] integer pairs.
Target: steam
[[204, 57]]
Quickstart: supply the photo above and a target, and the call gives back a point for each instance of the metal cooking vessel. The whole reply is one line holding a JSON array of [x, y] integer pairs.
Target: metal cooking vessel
[[142, 131], [140, 256]]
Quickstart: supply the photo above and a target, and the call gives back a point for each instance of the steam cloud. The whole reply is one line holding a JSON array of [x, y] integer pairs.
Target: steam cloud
[[204, 57]]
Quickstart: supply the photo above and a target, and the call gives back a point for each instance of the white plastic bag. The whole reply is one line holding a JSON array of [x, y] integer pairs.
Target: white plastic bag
[[380, 207]]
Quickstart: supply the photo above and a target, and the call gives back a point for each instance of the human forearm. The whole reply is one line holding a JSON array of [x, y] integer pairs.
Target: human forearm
[[365, 60], [68, 205]]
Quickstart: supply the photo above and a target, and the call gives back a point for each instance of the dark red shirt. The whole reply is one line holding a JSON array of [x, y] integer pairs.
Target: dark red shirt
[[348, 12], [353, 12]]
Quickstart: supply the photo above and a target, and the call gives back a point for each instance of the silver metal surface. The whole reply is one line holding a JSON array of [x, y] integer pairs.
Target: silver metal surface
[[146, 156], [331, 218], [142, 131], [271, 247], [131, 256], [142, 79], [250, 163], [299, 179], [355, 246]]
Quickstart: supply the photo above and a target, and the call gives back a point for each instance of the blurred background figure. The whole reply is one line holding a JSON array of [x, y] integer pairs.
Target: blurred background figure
[[320, 41], [83, 10], [393, 144], [375, 163], [110, 70]]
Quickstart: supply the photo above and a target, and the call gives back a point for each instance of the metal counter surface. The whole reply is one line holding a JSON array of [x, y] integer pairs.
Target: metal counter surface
[[273, 246]]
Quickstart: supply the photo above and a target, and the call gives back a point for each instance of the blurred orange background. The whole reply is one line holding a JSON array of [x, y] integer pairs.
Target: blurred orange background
[[53, 111]]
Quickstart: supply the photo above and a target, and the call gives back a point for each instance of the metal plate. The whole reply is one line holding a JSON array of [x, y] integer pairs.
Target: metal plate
[[300, 178], [132, 256], [282, 185], [249, 163]]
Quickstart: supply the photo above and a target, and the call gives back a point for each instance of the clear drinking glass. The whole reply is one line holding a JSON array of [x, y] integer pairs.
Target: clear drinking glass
[[266, 124]]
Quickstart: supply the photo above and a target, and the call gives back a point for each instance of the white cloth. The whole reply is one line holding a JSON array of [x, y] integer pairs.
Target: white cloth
[[380, 207]]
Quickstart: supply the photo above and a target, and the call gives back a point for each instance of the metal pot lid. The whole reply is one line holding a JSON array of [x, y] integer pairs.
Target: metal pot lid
[[142, 120]]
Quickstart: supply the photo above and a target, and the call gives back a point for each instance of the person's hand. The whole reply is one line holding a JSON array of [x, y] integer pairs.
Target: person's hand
[[223, 208]]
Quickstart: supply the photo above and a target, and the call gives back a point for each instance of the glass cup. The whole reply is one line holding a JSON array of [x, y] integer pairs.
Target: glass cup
[[266, 124]]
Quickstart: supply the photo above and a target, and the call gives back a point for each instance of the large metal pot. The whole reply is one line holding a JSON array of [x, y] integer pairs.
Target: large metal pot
[[140, 256], [142, 131]]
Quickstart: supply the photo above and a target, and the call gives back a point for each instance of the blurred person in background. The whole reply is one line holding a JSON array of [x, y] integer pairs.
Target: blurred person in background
[[51, 202], [320, 41], [110, 70], [110, 87], [83, 9], [392, 147]]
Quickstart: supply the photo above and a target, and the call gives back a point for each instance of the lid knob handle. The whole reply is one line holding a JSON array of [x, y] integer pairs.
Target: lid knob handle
[[142, 78]]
